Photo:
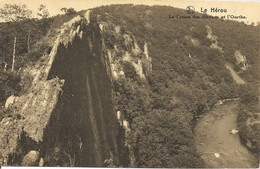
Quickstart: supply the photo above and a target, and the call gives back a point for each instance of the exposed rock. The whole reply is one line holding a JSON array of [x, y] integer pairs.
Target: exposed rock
[[126, 125], [40, 107], [119, 117], [31, 159], [148, 12], [127, 39], [139, 59], [136, 49], [216, 155], [87, 16], [148, 25], [241, 59], [148, 58], [233, 131], [193, 41], [220, 102], [10, 101], [213, 39], [38, 102], [41, 162], [138, 66], [215, 46], [101, 27], [3, 161], [117, 29]]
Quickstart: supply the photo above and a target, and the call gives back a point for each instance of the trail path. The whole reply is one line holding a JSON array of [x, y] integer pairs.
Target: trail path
[[234, 75]]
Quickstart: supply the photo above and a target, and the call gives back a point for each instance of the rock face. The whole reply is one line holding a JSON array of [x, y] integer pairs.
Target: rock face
[[41, 162], [64, 114], [241, 59], [9, 101], [213, 39], [31, 159]]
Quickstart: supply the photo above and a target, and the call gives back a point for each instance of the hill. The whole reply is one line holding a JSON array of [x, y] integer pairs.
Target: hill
[[123, 85]]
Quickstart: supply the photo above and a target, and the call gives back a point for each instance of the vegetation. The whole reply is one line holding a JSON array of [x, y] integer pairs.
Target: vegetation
[[162, 108], [248, 119], [68, 11], [33, 39], [9, 83], [43, 12]]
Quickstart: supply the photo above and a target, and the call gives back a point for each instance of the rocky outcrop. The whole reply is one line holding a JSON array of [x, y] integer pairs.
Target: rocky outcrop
[[63, 114], [31, 159], [9, 101], [139, 59], [213, 39], [63, 118], [193, 41], [241, 59], [41, 162], [125, 49]]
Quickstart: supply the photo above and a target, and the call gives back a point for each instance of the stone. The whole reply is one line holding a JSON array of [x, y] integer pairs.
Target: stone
[[126, 125], [41, 163], [233, 131], [9, 101], [216, 155], [220, 102], [31, 159]]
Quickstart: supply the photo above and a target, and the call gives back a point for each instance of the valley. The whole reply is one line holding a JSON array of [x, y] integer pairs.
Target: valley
[[215, 143]]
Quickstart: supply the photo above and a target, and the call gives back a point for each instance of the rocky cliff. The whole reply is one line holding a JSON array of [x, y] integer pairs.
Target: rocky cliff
[[68, 116]]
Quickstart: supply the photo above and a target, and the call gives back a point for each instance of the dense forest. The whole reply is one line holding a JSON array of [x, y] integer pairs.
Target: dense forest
[[188, 75], [187, 78]]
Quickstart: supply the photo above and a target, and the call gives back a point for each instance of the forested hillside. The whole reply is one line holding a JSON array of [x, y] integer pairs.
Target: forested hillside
[[33, 38], [188, 77], [167, 72]]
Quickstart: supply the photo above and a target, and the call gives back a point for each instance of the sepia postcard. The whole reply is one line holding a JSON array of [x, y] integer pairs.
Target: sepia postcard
[[130, 83]]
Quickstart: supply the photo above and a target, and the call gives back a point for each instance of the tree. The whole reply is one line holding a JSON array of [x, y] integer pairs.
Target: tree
[[15, 13], [64, 10], [43, 12], [68, 11]]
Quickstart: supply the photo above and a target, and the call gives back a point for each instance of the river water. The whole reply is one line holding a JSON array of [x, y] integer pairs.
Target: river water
[[217, 147]]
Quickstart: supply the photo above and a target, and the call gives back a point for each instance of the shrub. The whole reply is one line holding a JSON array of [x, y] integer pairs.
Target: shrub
[[129, 70], [9, 85]]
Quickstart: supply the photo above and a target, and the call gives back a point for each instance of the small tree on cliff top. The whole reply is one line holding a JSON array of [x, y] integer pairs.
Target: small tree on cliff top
[[68, 11]]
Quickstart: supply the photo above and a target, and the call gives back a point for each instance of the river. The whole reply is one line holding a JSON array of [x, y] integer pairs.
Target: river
[[217, 147]]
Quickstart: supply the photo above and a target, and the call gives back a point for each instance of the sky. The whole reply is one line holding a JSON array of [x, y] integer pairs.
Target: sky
[[250, 9]]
